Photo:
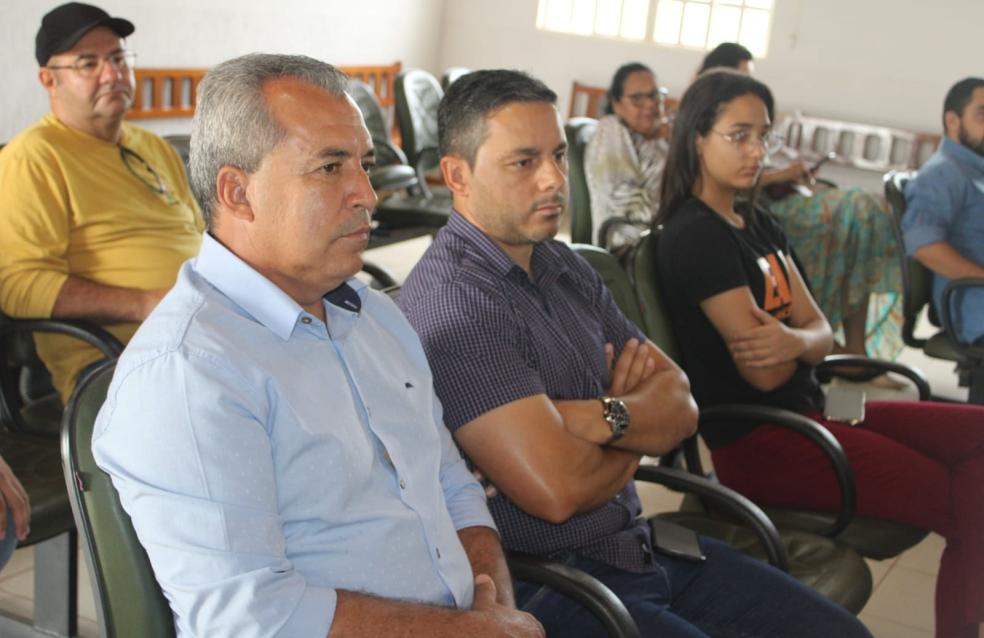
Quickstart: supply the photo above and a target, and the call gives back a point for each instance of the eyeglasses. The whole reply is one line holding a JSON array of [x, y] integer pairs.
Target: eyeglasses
[[143, 171], [90, 66], [639, 99], [743, 140]]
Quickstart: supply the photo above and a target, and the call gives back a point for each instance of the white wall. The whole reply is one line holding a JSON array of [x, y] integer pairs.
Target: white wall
[[878, 61], [194, 33]]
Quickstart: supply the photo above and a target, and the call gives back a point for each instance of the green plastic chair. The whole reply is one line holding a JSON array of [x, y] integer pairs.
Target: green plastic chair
[[831, 568], [129, 600], [871, 537], [579, 131]]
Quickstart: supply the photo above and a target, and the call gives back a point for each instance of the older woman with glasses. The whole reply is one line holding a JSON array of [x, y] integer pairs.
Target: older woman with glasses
[[844, 240], [624, 159]]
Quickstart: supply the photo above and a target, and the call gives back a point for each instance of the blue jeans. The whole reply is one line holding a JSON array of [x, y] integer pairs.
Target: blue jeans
[[728, 595], [9, 542]]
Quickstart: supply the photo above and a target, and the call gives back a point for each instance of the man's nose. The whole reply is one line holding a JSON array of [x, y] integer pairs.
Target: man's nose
[[365, 195]]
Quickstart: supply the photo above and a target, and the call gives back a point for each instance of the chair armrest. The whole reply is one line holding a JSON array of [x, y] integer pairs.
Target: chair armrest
[[612, 222], [912, 374], [585, 589], [96, 336], [726, 499], [811, 430], [947, 319]]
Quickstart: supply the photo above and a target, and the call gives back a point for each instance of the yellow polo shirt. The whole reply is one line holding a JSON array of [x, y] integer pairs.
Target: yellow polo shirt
[[69, 205]]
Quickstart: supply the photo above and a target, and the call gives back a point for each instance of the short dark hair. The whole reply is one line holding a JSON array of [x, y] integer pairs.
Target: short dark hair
[[617, 88], [726, 54], [473, 98], [699, 109], [959, 96]]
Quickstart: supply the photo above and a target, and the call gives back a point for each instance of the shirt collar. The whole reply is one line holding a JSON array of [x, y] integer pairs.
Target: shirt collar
[[545, 270], [260, 297], [961, 154]]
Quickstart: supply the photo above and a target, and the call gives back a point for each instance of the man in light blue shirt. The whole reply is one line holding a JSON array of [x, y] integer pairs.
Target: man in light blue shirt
[[944, 219], [272, 428]]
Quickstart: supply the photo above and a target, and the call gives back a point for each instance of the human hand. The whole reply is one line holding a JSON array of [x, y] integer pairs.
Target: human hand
[[500, 620], [771, 343], [634, 364], [799, 171], [14, 496]]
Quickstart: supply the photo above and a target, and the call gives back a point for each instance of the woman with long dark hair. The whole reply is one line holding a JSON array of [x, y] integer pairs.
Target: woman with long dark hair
[[844, 238], [751, 332]]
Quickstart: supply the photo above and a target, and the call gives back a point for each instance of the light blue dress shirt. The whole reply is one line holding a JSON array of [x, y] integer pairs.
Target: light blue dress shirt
[[268, 459], [946, 203]]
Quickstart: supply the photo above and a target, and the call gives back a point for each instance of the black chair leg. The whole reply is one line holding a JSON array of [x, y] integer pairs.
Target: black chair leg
[[55, 592]]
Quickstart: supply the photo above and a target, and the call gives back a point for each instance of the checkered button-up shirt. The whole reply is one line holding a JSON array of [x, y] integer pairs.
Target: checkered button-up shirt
[[494, 335]]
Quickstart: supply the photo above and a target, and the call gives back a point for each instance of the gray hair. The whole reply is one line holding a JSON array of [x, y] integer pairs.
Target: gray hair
[[233, 125]]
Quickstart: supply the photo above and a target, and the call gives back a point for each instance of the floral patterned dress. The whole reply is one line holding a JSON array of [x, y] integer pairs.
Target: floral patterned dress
[[848, 247]]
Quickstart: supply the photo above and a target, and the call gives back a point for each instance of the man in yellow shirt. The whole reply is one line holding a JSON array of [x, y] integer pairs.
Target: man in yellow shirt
[[96, 214]]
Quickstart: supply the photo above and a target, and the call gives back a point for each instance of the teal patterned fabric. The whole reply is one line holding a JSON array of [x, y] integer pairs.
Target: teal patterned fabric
[[846, 243]]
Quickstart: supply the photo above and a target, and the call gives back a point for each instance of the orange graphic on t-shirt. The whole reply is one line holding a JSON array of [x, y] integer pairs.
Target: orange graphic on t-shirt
[[778, 297]]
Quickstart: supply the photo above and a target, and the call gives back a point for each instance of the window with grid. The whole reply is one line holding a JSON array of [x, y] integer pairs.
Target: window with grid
[[696, 24]]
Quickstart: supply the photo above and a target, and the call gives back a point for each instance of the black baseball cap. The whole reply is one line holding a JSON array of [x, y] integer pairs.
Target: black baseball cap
[[65, 25]]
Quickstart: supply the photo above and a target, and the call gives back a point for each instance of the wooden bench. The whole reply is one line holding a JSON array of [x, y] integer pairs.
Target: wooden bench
[[171, 92]]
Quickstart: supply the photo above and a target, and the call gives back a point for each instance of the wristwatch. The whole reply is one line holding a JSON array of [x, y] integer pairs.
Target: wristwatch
[[617, 415]]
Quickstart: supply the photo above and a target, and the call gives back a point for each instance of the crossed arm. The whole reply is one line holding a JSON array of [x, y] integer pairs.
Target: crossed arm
[[550, 458], [765, 350], [81, 298]]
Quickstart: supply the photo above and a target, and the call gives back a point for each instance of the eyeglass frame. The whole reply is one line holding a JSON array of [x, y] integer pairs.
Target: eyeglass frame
[[657, 95], [127, 63], [760, 139], [160, 188]]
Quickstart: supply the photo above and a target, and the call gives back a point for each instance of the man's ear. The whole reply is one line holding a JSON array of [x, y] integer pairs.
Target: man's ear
[[47, 79], [457, 174], [952, 121], [230, 191]]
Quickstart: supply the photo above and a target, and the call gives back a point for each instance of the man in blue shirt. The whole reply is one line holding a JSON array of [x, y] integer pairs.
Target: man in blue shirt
[[272, 428], [555, 395], [944, 218]]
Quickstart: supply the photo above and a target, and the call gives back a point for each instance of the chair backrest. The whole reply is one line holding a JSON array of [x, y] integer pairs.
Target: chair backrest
[[615, 277], [375, 118], [917, 280], [645, 282], [417, 97], [579, 132], [450, 75], [182, 144], [129, 598], [587, 101]]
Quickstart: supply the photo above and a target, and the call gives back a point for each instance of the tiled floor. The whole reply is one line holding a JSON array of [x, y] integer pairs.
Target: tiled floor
[[901, 606]]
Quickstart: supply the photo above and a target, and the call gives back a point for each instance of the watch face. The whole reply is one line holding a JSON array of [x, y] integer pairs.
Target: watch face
[[617, 416]]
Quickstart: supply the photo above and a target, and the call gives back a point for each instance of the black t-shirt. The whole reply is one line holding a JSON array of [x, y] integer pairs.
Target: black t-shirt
[[701, 255]]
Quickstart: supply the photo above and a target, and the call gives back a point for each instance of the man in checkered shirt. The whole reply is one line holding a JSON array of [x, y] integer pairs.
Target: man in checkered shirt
[[555, 396]]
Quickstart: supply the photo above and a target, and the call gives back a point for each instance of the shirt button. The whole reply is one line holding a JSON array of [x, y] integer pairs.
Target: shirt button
[[305, 319], [403, 484]]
